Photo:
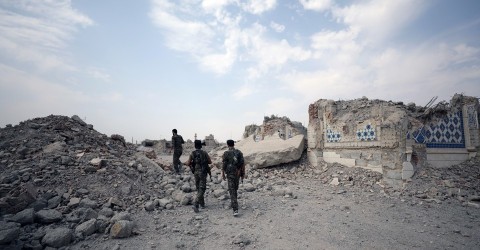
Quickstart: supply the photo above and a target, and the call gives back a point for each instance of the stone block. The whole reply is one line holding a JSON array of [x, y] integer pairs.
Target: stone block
[[407, 171]]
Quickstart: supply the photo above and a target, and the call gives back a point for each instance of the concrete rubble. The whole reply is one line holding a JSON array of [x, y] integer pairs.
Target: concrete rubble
[[62, 182]]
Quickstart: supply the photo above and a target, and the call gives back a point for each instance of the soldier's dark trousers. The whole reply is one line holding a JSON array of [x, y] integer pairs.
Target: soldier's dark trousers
[[233, 180], [176, 160], [201, 185]]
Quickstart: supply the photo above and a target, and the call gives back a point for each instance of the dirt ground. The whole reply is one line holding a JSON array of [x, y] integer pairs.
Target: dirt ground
[[318, 216]]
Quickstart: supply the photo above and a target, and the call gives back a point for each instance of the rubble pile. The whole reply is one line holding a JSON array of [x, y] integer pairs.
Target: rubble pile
[[62, 182], [460, 182]]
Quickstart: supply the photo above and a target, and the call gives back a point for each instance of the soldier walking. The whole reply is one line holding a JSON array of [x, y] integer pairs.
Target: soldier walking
[[198, 162], [177, 141], [234, 167]]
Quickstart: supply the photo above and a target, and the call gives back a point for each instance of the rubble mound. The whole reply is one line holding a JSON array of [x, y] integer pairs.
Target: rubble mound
[[61, 182], [459, 182]]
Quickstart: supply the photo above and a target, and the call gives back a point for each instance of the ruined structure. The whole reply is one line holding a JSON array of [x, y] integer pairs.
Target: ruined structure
[[273, 125], [392, 138]]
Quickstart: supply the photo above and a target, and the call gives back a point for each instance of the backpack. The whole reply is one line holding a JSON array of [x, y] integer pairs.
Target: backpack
[[233, 162], [198, 161]]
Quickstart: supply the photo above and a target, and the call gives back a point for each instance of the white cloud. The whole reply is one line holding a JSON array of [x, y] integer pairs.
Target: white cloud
[[38, 31], [32, 96], [317, 5], [277, 27], [377, 20], [244, 91], [214, 5], [280, 106], [269, 54], [259, 6], [338, 47], [99, 74]]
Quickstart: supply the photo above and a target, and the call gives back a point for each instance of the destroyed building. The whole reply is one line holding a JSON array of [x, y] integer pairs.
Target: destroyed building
[[282, 126], [392, 138]]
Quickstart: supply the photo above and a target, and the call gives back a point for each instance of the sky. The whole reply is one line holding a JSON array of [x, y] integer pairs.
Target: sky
[[142, 68]]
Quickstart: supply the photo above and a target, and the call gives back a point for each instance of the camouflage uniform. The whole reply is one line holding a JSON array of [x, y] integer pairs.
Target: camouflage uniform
[[177, 141], [230, 168], [199, 161]]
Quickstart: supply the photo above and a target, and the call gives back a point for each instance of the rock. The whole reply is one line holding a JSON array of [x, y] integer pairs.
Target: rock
[[186, 188], [113, 201], [334, 182], [48, 216], [54, 202], [88, 203], [106, 211], [249, 187], [24, 217], [121, 216], [164, 201], [121, 229], [148, 163], [272, 150], [9, 231], [186, 199], [81, 215], [149, 206], [79, 120], [57, 237], [241, 239], [73, 203], [278, 191], [219, 192], [86, 228], [54, 148], [99, 163]]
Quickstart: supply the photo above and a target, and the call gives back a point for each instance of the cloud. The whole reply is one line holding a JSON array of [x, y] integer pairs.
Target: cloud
[[377, 20], [99, 74], [317, 5], [277, 27], [216, 41], [259, 6], [24, 96], [244, 91], [339, 47], [37, 32], [270, 54], [416, 73]]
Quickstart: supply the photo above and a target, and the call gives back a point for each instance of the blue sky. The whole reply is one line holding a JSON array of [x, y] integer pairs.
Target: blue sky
[[142, 68]]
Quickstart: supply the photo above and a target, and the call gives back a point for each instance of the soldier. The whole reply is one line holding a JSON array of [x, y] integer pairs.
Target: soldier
[[177, 141], [198, 163], [233, 165]]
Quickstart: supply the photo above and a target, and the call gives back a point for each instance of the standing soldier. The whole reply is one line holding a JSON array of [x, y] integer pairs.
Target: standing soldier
[[177, 141], [198, 163], [233, 165]]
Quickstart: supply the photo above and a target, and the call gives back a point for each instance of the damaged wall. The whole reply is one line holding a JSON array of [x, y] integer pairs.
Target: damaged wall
[[392, 138]]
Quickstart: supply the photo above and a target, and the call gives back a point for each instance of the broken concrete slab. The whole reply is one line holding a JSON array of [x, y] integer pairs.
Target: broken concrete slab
[[272, 150]]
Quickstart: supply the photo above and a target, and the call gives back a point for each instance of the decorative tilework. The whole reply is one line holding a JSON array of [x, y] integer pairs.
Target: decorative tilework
[[446, 133], [472, 117], [366, 134], [332, 135]]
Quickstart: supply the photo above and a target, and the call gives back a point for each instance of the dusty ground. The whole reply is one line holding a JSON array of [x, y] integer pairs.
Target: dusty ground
[[319, 216]]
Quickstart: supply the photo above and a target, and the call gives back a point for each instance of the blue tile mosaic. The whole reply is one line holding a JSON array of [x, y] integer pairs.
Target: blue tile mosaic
[[366, 134], [472, 117], [332, 135], [446, 133]]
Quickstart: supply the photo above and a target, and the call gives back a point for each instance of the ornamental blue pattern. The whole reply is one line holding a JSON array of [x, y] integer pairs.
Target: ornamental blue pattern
[[446, 133], [332, 135], [366, 134]]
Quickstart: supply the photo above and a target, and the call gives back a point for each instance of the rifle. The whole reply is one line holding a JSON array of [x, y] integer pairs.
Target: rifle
[[241, 172], [209, 172]]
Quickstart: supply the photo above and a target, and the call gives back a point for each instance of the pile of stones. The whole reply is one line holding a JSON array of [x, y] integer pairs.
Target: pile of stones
[[62, 182]]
